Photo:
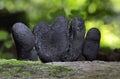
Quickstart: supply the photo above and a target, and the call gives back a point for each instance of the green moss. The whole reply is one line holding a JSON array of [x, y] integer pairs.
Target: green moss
[[60, 71], [32, 68], [25, 73], [0, 67], [17, 62], [16, 68], [6, 73]]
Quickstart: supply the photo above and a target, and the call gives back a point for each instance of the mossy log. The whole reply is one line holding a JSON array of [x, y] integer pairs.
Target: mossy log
[[14, 69]]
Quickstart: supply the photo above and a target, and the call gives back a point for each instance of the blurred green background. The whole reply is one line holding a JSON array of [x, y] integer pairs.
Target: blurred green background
[[102, 14]]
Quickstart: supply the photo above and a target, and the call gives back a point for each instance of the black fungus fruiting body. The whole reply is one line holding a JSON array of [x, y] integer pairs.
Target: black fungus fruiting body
[[24, 41]]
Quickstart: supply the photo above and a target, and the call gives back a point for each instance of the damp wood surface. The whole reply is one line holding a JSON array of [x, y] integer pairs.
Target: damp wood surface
[[14, 69]]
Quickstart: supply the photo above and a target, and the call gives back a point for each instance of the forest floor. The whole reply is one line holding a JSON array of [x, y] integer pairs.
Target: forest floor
[[14, 69]]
